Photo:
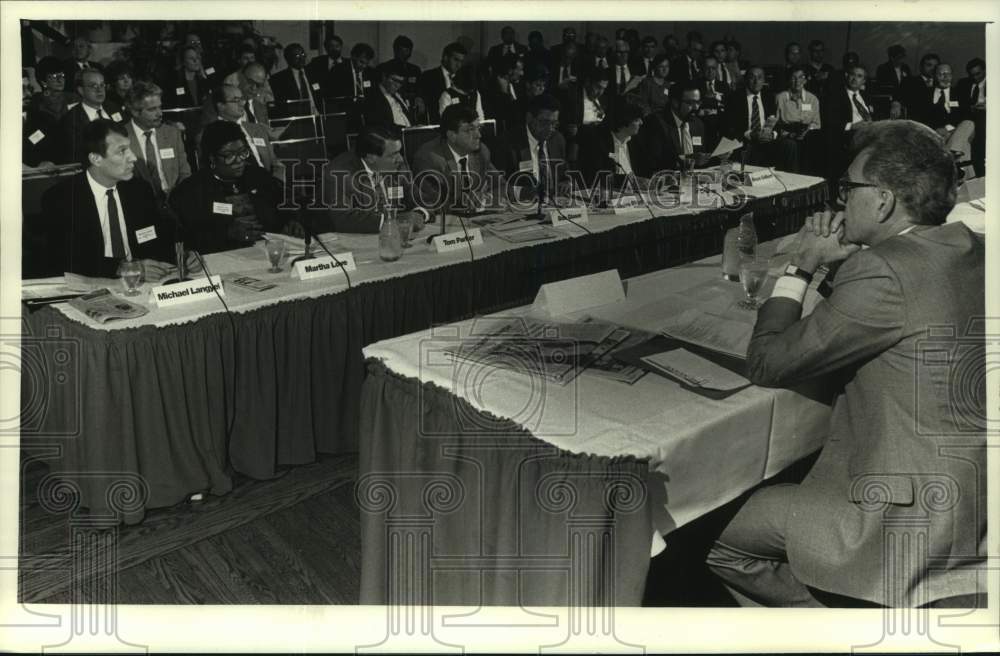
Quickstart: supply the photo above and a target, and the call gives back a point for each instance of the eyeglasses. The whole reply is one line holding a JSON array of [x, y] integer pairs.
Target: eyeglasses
[[56, 76], [395, 80], [238, 101], [230, 158], [845, 186], [95, 86]]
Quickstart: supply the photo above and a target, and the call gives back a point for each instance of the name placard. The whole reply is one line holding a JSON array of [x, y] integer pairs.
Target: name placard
[[569, 216], [626, 204], [561, 298], [179, 293], [758, 177], [453, 241], [322, 266]]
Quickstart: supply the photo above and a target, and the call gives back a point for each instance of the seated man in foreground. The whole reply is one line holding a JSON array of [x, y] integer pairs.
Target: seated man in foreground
[[906, 447]]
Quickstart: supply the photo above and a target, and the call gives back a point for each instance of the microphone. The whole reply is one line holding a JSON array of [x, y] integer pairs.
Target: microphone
[[335, 260], [313, 236], [180, 257], [631, 176]]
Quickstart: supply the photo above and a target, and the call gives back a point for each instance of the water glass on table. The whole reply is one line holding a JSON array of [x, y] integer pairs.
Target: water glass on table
[[405, 221], [753, 273], [132, 273], [275, 251]]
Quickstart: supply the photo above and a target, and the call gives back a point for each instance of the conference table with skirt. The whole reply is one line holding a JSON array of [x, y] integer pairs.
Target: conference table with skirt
[[140, 413]]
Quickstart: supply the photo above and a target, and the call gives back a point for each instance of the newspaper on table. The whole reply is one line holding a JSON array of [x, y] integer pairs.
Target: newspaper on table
[[102, 306], [556, 351]]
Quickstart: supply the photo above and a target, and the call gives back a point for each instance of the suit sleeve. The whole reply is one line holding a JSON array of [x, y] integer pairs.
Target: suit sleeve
[[863, 316], [183, 167]]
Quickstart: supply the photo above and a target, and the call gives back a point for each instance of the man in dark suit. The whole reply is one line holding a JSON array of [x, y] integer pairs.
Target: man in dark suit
[[614, 151], [568, 69], [39, 139], [456, 171], [844, 110], [364, 181], [434, 81], [294, 83], [161, 159], [669, 136], [556, 51], [90, 85], [502, 94], [533, 155], [402, 50], [687, 66], [939, 107], [971, 92], [901, 430], [890, 74], [585, 105], [623, 78], [913, 89], [819, 72], [321, 67], [537, 54], [386, 106], [750, 116], [713, 93], [80, 61], [508, 46], [641, 61], [103, 215]]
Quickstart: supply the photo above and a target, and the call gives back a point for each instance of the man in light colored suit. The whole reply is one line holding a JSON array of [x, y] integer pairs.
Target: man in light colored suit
[[229, 105], [159, 149], [455, 171], [893, 512]]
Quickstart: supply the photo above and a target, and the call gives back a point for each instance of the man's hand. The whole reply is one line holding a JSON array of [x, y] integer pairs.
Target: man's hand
[[155, 271], [821, 241], [416, 219], [701, 159], [295, 229]]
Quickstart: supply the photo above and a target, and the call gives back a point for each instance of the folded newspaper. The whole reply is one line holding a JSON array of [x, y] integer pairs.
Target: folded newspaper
[[556, 351], [102, 306]]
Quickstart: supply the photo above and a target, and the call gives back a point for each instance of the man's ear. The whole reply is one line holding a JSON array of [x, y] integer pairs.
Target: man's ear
[[886, 205], [94, 158]]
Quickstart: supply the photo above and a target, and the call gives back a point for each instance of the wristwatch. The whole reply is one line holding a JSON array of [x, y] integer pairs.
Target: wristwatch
[[792, 270]]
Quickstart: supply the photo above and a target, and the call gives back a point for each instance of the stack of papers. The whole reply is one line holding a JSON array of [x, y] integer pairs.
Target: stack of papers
[[710, 331], [695, 370]]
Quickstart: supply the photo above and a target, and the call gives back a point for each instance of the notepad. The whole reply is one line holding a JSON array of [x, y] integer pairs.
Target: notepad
[[710, 331], [695, 370]]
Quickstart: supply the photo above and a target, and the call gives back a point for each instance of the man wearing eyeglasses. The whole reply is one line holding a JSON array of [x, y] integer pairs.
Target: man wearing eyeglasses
[[388, 107], [675, 134], [252, 81], [229, 104], [533, 156], [624, 79], [92, 89], [900, 340]]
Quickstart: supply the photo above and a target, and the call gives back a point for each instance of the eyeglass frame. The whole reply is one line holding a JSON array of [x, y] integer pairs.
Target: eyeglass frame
[[230, 158], [846, 186]]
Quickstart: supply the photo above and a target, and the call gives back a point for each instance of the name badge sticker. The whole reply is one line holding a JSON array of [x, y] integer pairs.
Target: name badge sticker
[[315, 86], [412, 80], [695, 141], [394, 193], [953, 103], [180, 91], [259, 141], [145, 234], [166, 153], [366, 84], [36, 136], [222, 208], [525, 165], [210, 70], [116, 117], [807, 107]]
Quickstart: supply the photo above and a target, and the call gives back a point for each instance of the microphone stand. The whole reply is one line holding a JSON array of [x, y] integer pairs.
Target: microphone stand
[[180, 254], [631, 176]]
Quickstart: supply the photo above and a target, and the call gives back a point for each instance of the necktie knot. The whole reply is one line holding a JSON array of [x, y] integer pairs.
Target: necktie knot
[[147, 134], [110, 193]]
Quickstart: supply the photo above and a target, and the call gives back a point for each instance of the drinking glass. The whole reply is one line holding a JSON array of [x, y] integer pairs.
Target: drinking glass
[[405, 221], [275, 251], [131, 272], [753, 273]]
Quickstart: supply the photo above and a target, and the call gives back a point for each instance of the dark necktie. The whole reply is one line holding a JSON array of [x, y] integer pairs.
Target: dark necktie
[[975, 93], [114, 227], [865, 116], [151, 161], [100, 113], [359, 83], [249, 110], [754, 115], [463, 165], [303, 87], [621, 80], [943, 102], [543, 173]]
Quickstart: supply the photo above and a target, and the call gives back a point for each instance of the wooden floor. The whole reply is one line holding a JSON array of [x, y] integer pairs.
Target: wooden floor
[[292, 540]]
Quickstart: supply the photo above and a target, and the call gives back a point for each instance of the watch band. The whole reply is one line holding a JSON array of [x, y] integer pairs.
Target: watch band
[[792, 270]]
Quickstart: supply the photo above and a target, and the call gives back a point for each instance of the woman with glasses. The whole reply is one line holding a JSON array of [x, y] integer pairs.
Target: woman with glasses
[[230, 201], [53, 100], [119, 77]]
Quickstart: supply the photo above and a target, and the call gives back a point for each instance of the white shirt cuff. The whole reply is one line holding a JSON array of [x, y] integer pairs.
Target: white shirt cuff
[[791, 287], [427, 215]]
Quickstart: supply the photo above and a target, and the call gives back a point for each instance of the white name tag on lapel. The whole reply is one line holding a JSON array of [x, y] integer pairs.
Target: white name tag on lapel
[[412, 80], [222, 208], [695, 141], [525, 166], [453, 241], [259, 141], [807, 107], [166, 153], [36, 136], [116, 117], [145, 234], [178, 293], [394, 193], [953, 103], [210, 70], [366, 84], [180, 91], [315, 86], [323, 266], [568, 216]]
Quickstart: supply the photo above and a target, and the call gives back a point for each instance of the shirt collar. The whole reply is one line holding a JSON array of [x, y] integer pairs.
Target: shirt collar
[[96, 187], [139, 131], [532, 142], [456, 156]]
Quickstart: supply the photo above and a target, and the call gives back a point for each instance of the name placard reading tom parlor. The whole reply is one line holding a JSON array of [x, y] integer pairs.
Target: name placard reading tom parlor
[[454, 241], [189, 291]]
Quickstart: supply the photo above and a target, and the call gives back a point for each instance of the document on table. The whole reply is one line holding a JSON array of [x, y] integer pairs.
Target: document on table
[[696, 371], [710, 331]]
